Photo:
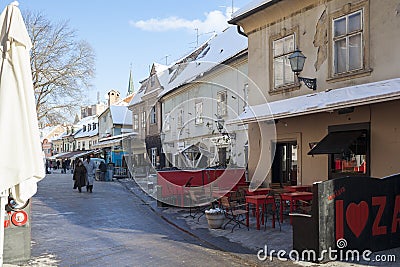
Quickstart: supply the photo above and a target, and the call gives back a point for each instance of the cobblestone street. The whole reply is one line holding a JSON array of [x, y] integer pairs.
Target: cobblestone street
[[110, 227]]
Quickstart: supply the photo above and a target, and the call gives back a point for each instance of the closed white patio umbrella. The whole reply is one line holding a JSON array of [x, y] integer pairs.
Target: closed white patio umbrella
[[21, 160]]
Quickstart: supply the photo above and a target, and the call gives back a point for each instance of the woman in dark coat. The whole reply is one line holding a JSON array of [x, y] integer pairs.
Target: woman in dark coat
[[79, 176]]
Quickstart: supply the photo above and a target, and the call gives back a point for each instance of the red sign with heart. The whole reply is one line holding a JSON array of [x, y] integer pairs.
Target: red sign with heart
[[357, 217]]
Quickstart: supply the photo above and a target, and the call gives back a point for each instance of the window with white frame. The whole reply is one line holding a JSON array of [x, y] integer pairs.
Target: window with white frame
[[143, 120], [153, 156], [282, 49], [198, 113], [222, 103], [153, 115], [167, 125], [348, 42], [135, 121], [179, 123]]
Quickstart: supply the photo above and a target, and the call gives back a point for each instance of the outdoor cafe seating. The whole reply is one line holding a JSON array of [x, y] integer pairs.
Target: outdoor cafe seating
[[293, 198], [198, 202], [241, 203], [235, 212], [260, 203], [264, 202], [272, 208]]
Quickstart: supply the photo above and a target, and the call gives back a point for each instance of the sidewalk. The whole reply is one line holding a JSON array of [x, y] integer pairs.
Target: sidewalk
[[241, 243]]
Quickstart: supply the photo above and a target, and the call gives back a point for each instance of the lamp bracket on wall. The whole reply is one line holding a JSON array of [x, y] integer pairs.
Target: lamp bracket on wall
[[310, 83]]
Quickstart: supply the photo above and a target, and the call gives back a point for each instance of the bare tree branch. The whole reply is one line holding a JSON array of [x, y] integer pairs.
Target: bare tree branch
[[62, 68]]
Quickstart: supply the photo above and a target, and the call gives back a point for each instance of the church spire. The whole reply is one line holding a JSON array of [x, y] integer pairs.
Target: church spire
[[130, 85]]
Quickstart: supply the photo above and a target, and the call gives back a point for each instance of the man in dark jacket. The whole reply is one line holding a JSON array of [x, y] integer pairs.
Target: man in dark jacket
[[79, 176], [103, 170]]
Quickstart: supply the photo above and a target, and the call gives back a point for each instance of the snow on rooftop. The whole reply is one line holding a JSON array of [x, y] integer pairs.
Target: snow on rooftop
[[160, 67], [121, 115], [138, 96], [323, 101], [46, 132], [216, 51], [87, 133], [207, 56], [249, 7], [86, 120]]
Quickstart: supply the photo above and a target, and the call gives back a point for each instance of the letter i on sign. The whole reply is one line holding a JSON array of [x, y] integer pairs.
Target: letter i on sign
[[339, 219]]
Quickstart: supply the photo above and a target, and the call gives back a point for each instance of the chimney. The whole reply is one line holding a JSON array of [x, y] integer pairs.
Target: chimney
[[113, 97]]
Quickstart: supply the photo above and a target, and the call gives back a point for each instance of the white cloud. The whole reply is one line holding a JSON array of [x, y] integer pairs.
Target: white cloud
[[214, 21]]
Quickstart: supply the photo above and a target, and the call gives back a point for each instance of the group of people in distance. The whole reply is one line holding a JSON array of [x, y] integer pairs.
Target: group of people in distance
[[84, 174]]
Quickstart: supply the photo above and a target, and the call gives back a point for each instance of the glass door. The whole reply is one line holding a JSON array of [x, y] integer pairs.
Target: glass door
[[284, 166]]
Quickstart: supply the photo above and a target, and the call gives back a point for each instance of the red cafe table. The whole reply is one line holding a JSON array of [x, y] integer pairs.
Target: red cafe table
[[258, 191], [298, 188], [258, 201], [292, 197]]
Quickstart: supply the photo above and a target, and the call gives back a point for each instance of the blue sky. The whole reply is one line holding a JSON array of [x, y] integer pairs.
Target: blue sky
[[136, 32]]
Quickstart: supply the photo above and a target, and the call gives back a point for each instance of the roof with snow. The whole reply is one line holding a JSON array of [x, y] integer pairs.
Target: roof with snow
[[250, 9], [215, 51], [87, 133], [160, 67], [328, 100], [85, 127], [212, 54], [121, 115], [137, 98], [48, 132], [61, 136]]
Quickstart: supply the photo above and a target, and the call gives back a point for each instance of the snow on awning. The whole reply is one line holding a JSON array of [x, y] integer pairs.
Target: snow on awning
[[328, 100], [85, 153], [68, 154], [113, 140], [54, 157]]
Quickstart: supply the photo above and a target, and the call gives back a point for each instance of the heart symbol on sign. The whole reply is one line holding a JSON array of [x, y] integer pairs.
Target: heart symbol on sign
[[357, 217]]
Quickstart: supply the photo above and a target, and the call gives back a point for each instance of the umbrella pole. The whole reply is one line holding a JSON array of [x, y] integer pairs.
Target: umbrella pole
[[3, 202]]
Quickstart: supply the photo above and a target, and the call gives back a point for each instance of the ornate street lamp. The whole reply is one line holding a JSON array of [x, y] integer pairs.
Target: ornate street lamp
[[219, 123], [297, 60]]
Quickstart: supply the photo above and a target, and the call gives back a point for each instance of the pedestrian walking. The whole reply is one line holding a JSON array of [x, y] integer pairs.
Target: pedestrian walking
[[103, 170], [79, 176], [67, 164], [91, 172], [64, 167], [47, 167]]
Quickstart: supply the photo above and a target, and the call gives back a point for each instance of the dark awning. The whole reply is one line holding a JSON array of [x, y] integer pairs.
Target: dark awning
[[336, 142], [70, 154]]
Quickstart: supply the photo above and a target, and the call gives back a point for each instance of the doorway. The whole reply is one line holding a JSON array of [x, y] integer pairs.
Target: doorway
[[284, 166]]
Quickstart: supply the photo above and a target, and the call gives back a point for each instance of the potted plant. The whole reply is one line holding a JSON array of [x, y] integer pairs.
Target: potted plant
[[215, 217]]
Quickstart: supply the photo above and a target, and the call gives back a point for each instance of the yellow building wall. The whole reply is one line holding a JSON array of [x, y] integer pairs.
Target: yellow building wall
[[305, 18], [384, 144]]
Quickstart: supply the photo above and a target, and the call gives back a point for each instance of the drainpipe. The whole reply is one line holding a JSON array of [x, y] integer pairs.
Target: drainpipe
[[240, 31]]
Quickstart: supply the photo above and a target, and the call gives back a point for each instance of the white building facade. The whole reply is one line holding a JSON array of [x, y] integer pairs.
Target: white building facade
[[202, 92]]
